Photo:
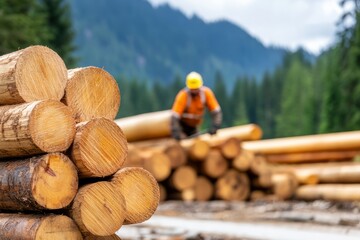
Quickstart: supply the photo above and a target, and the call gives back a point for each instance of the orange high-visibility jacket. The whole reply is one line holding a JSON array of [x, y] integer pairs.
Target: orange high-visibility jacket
[[191, 109]]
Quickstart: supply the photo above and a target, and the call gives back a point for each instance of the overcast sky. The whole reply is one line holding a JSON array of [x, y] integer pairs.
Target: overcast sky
[[286, 23]]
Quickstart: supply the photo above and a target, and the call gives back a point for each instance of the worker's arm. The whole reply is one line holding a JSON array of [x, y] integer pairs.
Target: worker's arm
[[177, 110], [215, 111]]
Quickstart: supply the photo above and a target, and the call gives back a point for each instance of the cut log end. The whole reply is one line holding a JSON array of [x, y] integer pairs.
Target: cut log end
[[215, 165], [203, 189], [58, 227], [141, 193], [52, 127], [101, 148], [233, 186], [92, 92], [176, 154], [183, 177], [231, 148], [55, 181], [99, 209], [40, 74], [199, 150], [159, 165]]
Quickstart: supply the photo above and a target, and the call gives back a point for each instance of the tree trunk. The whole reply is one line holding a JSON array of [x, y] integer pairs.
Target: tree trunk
[[141, 193], [146, 126], [233, 186], [310, 143], [37, 227], [215, 165], [99, 208], [184, 177], [204, 189], [99, 148], [311, 157], [196, 149], [39, 183], [32, 128], [92, 92], [337, 192], [157, 163], [31, 74]]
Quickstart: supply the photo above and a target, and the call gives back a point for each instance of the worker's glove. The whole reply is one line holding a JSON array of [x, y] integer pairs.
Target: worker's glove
[[216, 118], [175, 128], [176, 135], [213, 130]]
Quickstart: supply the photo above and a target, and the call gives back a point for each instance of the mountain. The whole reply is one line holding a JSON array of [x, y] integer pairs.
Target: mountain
[[133, 38]]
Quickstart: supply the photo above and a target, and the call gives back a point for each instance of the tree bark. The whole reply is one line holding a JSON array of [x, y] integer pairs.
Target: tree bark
[[141, 193], [99, 209], [92, 92], [146, 126], [111, 237], [99, 148], [33, 128], [37, 227], [233, 186], [311, 143], [39, 183], [31, 74]]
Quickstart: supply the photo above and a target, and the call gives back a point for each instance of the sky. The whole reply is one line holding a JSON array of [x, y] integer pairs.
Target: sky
[[310, 24]]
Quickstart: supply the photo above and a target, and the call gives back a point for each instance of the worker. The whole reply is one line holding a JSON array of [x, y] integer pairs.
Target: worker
[[189, 107]]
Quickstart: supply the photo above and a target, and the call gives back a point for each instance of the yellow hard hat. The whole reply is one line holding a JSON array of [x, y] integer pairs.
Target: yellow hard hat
[[194, 80]]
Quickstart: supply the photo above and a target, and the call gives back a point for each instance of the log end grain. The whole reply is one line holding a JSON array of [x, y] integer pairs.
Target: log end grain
[[215, 165], [233, 186], [111, 237], [40, 74], [58, 227], [92, 92], [199, 150], [184, 177], [99, 209], [52, 126], [231, 148], [159, 165], [204, 189], [55, 181], [99, 149], [141, 193]]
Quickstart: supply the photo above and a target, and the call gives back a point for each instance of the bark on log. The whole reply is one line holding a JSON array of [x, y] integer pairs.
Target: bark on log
[[157, 163], [99, 209], [111, 237], [146, 126], [37, 227], [215, 165], [309, 143], [184, 177], [32, 128], [204, 189], [141, 193], [196, 149], [31, 74], [232, 186], [337, 192], [99, 148], [311, 157], [92, 92], [39, 183]]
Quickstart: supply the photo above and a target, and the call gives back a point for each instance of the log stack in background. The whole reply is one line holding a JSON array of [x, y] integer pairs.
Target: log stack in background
[[62, 154]]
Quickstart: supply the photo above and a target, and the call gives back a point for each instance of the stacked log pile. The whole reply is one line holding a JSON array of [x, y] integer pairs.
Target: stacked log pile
[[235, 165], [62, 155]]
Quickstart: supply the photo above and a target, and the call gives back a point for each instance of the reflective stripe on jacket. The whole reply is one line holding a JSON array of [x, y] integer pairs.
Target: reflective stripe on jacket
[[191, 109]]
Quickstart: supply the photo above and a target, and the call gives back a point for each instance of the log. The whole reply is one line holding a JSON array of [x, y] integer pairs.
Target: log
[[43, 182], [168, 146], [92, 92], [310, 143], [337, 192], [215, 165], [111, 237], [163, 193], [196, 149], [258, 165], [187, 195], [33, 128], [184, 177], [134, 158], [246, 132], [141, 193], [37, 227], [242, 161], [31, 74], [99, 148], [229, 147], [310, 157], [204, 189], [233, 186], [284, 185], [146, 126], [157, 163], [98, 209]]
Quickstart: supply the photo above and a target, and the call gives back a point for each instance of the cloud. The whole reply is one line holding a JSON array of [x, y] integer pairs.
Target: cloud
[[288, 23]]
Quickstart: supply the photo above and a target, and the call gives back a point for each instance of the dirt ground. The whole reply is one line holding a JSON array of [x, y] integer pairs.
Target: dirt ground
[[176, 220]]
